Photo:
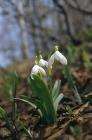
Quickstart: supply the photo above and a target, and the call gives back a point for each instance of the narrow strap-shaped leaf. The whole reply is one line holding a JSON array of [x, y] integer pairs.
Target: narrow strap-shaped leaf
[[37, 104], [55, 90], [3, 115], [27, 101], [43, 111], [57, 101], [28, 132], [69, 77], [41, 91]]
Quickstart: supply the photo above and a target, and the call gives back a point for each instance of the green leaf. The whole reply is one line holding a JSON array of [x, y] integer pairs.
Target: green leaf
[[3, 115], [14, 83], [55, 90], [11, 81], [76, 130], [26, 100], [68, 75], [87, 59], [41, 91], [14, 80], [27, 131], [57, 101], [35, 103]]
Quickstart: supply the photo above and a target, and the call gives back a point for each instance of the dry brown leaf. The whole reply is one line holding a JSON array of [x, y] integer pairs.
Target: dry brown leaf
[[80, 109], [4, 132], [57, 133], [87, 95], [88, 137], [49, 130], [24, 138], [81, 75], [80, 120], [67, 137]]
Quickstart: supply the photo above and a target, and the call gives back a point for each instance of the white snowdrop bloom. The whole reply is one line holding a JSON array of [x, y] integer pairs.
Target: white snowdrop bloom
[[43, 63], [37, 69], [58, 57]]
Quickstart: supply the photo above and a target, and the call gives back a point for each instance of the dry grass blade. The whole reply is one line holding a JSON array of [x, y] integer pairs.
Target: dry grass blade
[[80, 109], [89, 94], [58, 131]]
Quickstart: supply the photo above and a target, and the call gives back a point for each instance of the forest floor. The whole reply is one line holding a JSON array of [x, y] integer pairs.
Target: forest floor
[[74, 121]]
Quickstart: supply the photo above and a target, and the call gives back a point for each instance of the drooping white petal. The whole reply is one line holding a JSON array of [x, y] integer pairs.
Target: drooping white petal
[[61, 58], [51, 61], [57, 56], [37, 69], [43, 63], [42, 71]]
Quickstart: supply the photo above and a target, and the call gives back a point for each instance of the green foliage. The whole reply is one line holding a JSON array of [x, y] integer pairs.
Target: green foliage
[[45, 101], [27, 131], [68, 109], [4, 116], [46, 96], [27, 99], [88, 34], [71, 54], [86, 59], [76, 130], [11, 81], [10, 87], [69, 77], [55, 90]]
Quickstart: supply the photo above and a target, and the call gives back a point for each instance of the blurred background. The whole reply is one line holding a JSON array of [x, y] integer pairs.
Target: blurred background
[[27, 26]]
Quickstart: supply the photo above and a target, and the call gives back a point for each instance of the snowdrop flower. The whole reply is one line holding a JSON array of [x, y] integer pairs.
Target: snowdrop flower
[[43, 62], [37, 70], [57, 56]]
